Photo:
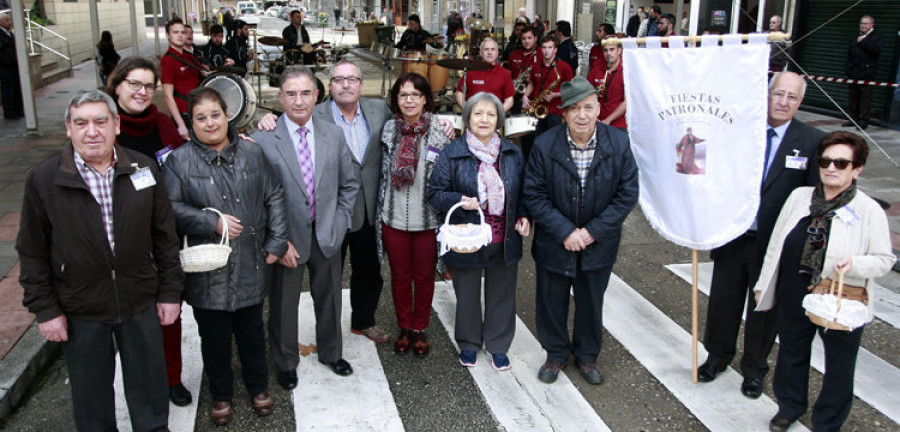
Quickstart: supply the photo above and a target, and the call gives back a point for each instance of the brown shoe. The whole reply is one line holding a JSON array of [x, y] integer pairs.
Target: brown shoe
[[374, 334], [420, 343], [263, 404], [401, 345], [220, 413]]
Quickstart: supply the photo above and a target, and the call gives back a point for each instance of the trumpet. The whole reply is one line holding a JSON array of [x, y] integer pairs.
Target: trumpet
[[538, 108]]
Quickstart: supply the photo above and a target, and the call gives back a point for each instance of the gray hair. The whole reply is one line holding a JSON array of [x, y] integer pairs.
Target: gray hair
[[486, 40], [344, 62], [296, 71], [90, 96], [778, 74], [482, 97]]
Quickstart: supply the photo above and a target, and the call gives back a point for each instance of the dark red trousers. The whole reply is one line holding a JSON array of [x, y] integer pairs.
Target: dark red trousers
[[412, 256]]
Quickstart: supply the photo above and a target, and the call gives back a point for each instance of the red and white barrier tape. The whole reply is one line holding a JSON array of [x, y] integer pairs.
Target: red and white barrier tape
[[850, 81]]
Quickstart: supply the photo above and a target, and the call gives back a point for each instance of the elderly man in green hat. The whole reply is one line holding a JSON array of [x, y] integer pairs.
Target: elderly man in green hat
[[580, 184]]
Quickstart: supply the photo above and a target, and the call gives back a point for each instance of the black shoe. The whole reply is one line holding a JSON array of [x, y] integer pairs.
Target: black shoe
[[590, 372], [752, 387], [340, 367], [779, 424], [179, 395], [549, 371], [848, 124], [287, 379], [708, 371]]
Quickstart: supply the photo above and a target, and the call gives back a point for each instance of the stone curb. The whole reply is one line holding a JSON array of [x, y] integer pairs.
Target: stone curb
[[22, 366]]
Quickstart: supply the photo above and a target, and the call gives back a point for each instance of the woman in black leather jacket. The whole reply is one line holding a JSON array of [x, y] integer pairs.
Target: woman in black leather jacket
[[219, 170]]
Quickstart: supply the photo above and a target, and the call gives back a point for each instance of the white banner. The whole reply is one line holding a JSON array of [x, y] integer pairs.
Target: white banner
[[697, 122]]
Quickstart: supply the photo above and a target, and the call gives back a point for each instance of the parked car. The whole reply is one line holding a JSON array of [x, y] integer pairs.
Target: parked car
[[273, 11], [250, 16]]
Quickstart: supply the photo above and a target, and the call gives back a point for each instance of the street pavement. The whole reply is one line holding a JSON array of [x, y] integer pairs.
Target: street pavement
[[646, 356]]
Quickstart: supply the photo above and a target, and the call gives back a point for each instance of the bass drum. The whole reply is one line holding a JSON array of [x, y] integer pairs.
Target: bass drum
[[238, 94], [519, 125]]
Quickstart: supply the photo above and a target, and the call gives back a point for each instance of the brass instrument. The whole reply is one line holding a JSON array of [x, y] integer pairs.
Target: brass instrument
[[538, 109], [521, 81], [602, 87]]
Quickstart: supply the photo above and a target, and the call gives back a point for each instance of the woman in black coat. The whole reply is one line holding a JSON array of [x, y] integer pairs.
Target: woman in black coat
[[481, 169]]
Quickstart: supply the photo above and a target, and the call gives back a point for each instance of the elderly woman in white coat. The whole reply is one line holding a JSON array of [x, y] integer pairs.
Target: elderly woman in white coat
[[820, 232]]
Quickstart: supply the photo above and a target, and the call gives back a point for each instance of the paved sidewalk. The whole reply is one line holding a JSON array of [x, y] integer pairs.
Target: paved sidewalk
[[23, 352]]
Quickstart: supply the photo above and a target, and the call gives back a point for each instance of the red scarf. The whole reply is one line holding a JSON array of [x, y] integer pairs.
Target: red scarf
[[407, 157], [144, 123]]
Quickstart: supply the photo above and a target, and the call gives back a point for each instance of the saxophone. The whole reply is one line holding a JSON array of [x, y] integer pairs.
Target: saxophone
[[538, 109], [602, 86], [521, 81]]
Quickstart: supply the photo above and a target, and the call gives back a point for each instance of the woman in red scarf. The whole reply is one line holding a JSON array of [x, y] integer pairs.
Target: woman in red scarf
[[411, 144], [146, 130]]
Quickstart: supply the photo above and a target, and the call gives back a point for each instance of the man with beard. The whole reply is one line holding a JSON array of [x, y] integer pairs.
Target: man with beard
[[214, 53], [237, 45], [596, 59]]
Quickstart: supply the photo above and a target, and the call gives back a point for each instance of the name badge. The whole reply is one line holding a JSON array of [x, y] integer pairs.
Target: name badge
[[847, 215], [431, 154], [795, 162], [163, 154], [479, 82], [142, 178]]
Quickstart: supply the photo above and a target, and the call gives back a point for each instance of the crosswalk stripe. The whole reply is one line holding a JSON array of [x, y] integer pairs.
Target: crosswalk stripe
[[364, 399], [517, 399], [875, 381], [664, 348]]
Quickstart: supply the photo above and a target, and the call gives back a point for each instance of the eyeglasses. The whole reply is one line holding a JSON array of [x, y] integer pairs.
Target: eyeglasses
[[339, 80], [839, 164], [817, 236], [136, 86], [413, 96]]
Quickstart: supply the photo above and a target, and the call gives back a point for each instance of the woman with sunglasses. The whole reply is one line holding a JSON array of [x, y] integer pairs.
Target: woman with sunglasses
[[146, 130], [821, 231], [411, 144]]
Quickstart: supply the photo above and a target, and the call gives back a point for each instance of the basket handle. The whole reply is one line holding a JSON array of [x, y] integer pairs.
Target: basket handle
[[224, 241], [840, 287], [458, 205]]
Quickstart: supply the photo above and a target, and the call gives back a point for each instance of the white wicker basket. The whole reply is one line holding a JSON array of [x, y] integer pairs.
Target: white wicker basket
[[463, 238], [206, 257]]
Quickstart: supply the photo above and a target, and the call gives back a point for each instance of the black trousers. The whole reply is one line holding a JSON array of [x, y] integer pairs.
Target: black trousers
[[11, 91], [216, 328], [498, 326], [366, 282], [91, 361], [860, 102], [734, 273], [552, 304]]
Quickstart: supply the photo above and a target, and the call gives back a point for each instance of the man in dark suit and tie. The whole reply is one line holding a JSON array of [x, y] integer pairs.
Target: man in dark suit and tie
[[10, 87], [790, 163], [315, 165]]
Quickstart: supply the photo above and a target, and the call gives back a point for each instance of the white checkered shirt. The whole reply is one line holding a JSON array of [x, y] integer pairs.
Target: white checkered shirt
[[582, 157], [101, 187]]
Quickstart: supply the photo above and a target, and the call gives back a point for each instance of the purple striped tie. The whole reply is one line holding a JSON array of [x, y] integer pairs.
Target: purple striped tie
[[308, 170]]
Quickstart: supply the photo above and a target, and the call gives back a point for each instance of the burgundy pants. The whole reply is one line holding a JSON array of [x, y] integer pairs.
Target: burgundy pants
[[172, 347], [412, 256]]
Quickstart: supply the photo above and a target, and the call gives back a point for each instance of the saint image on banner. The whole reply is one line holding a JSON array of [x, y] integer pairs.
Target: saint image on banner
[[690, 154]]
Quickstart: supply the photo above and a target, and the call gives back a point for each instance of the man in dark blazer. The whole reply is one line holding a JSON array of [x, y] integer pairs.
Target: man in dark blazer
[[320, 207], [361, 121], [580, 184], [862, 64], [10, 86], [790, 163]]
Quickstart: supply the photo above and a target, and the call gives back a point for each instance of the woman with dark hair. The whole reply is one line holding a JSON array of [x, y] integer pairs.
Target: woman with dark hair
[[482, 169], [144, 129], [219, 170], [822, 231], [411, 144], [109, 58]]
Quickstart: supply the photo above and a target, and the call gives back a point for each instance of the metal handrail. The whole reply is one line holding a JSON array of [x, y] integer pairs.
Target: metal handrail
[[29, 34]]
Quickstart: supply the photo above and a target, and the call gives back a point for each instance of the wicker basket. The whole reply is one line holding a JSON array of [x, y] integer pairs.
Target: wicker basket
[[463, 238], [206, 257], [821, 298]]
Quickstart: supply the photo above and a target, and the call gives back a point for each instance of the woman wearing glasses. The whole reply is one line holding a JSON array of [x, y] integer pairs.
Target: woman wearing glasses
[[219, 170], [146, 130], [411, 144], [481, 169], [821, 231]]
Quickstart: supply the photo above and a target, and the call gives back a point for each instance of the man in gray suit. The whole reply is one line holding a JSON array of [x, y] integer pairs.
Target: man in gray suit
[[316, 168]]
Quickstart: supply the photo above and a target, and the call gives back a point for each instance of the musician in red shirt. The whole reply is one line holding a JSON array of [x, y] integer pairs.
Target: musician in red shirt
[[496, 81], [595, 58], [522, 59], [548, 74], [180, 73], [612, 98]]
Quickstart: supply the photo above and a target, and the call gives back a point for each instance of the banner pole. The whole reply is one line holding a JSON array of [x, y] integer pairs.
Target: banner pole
[[694, 323]]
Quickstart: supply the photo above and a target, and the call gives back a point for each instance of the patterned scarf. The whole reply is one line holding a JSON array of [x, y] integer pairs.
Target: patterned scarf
[[822, 213], [407, 158], [490, 185]]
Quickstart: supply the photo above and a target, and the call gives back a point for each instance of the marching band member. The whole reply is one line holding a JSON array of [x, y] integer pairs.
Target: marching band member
[[544, 85], [496, 81], [609, 79]]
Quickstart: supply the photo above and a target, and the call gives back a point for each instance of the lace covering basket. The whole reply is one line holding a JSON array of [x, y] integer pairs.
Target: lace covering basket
[[206, 257], [463, 238], [833, 311]]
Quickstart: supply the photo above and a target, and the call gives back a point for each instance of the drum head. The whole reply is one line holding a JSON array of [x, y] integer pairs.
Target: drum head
[[238, 95]]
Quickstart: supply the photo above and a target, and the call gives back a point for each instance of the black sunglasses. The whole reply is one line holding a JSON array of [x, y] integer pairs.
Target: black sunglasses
[[840, 164]]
